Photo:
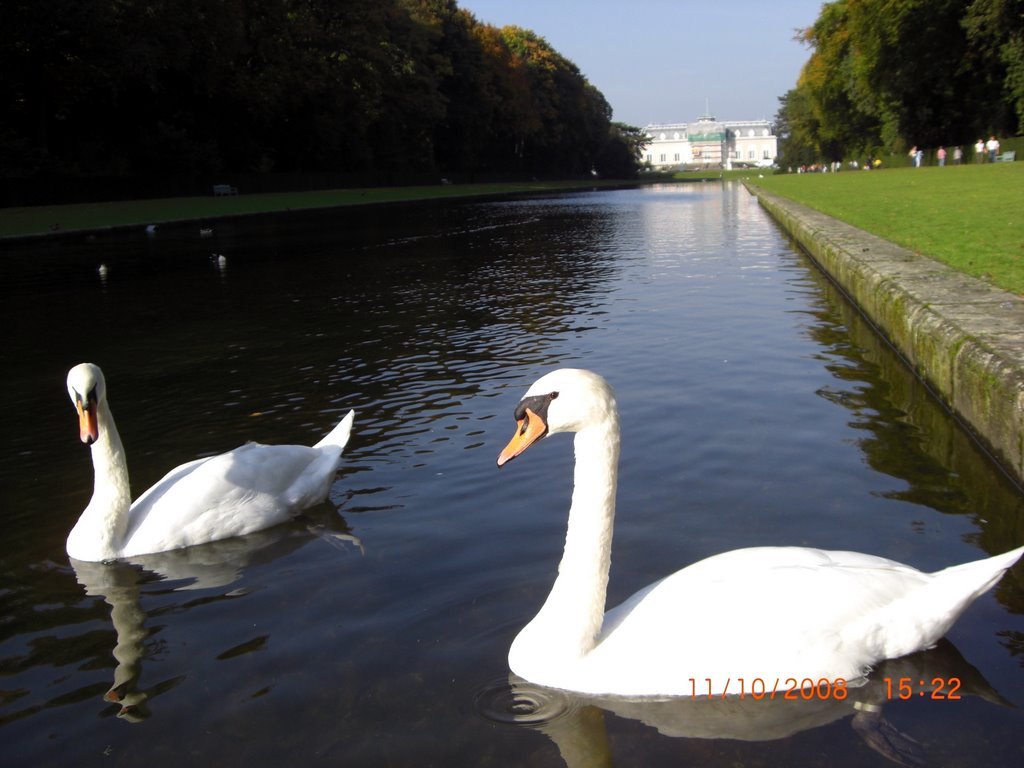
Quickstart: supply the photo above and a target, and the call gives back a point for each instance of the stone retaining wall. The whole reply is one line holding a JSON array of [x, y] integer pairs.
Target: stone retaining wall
[[962, 336]]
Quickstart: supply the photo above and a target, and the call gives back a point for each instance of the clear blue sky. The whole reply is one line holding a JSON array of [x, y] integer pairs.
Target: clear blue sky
[[656, 61]]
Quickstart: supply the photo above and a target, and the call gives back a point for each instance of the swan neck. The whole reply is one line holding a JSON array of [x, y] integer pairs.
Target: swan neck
[[588, 540], [99, 533], [571, 618]]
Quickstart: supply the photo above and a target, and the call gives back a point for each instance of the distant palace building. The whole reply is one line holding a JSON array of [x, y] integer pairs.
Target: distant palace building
[[709, 143]]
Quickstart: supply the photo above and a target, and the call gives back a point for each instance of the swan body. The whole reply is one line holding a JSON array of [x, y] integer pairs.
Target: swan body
[[244, 490], [774, 613]]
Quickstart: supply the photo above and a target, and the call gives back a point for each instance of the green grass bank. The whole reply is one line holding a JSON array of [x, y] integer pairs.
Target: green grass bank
[[50, 220], [970, 217], [47, 220]]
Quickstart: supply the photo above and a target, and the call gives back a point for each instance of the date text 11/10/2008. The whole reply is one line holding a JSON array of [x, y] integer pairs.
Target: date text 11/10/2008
[[794, 689]]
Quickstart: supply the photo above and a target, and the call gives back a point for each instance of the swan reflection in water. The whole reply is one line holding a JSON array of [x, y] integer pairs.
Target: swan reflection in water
[[215, 565], [575, 723]]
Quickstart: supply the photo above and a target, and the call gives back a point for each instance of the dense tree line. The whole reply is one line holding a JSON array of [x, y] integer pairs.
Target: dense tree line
[[885, 75], [137, 87]]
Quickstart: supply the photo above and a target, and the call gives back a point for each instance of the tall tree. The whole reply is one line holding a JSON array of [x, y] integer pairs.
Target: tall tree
[[891, 73], [621, 155], [797, 129], [384, 88], [995, 55], [828, 88], [570, 117], [908, 67]]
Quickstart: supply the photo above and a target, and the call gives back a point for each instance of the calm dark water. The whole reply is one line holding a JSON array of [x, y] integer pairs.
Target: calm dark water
[[757, 409]]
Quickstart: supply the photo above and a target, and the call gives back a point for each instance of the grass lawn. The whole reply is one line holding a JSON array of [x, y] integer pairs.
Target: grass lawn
[[44, 219], [970, 217]]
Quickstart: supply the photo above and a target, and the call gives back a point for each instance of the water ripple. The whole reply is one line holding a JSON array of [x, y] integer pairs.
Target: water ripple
[[516, 702]]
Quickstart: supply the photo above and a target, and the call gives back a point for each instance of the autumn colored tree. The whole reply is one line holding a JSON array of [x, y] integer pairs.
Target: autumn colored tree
[[888, 74], [374, 89], [838, 114]]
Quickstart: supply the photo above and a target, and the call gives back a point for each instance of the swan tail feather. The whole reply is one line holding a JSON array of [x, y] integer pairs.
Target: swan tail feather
[[924, 615], [340, 434], [979, 576]]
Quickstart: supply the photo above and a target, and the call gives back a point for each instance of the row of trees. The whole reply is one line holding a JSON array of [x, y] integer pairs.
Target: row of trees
[[887, 74], [388, 87]]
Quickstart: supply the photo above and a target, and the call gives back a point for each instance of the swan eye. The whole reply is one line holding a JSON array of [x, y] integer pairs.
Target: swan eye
[[88, 401]]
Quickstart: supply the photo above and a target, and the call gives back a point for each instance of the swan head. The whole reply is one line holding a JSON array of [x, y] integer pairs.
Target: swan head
[[87, 389], [566, 400]]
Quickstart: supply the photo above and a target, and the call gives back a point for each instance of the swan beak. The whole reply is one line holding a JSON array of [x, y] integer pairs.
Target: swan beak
[[88, 430], [529, 430]]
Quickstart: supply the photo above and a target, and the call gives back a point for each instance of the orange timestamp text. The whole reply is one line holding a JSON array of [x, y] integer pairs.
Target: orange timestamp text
[[822, 689]]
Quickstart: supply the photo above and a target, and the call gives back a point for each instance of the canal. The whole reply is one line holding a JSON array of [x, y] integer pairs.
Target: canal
[[757, 409]]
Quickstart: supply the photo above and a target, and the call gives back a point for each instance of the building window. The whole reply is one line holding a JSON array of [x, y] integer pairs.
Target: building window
[[767, 155], [751, 154], [662, 160], [675, 157]]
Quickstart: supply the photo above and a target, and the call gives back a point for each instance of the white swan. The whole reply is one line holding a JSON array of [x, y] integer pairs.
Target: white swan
[[774, 614], [248, 489]]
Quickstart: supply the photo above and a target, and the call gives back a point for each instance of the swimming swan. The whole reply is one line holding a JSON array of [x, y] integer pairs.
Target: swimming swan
[[248, 489], [784, 617]]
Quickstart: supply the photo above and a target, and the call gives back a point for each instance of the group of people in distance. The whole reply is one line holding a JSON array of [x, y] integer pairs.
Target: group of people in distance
[[981, 149], [991, 147]]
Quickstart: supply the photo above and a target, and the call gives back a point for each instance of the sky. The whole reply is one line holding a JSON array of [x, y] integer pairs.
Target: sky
[[666, 61]]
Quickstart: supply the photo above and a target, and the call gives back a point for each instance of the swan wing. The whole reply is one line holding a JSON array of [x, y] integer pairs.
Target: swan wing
[[250, 488], [769, 613]]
